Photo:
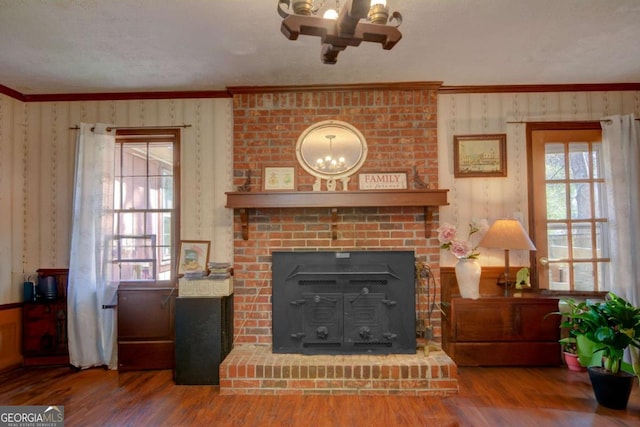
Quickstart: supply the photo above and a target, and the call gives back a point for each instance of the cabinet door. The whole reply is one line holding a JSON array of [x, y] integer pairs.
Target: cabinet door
[[45, 329], [145, 329], [484, 320], [531, 323]]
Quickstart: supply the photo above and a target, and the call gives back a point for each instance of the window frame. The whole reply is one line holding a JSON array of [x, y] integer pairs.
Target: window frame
[[146, 135], [532, 127]]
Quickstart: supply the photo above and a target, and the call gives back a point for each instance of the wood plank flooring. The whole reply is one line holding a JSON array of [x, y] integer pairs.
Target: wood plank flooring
[[487, 397]]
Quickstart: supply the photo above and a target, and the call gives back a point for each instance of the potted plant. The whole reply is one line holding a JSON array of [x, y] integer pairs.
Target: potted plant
[[608, 327], [574, 359]]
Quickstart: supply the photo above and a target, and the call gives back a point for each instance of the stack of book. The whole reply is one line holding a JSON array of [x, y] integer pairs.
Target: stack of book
[[193, 274], [219, 270]]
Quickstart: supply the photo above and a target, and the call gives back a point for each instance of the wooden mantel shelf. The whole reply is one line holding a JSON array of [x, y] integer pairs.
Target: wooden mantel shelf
[[333, 200]]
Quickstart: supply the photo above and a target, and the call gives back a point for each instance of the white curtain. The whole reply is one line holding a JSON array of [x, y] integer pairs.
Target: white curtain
[[92, 331], [621, 156]]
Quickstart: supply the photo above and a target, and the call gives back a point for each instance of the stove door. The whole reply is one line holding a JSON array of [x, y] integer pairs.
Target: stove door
[[365, 318], [323, 320]]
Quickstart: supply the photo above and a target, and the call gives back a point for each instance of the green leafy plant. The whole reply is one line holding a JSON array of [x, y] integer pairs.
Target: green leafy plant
[[608, 327]]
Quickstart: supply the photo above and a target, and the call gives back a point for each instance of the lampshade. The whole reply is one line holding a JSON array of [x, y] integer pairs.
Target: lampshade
[[507, 234]]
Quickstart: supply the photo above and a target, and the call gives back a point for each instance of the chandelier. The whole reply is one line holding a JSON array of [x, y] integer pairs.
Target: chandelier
[[349, 25], [330, 163]]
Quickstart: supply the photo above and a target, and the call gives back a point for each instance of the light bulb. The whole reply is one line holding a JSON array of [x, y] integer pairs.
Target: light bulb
[[375, 2], [330, 14]]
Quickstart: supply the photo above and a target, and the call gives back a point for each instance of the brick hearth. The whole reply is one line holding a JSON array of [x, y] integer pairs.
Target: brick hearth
[[254, 369]]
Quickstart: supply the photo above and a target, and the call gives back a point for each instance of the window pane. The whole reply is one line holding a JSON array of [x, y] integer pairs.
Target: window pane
[[602, 239], [582, 247], [135, 271], [579, 160], [558, 276], [160, 156], [556, 201], [159, 196], [554, 161], [557, 241], [599, 200], [596, 158], [166, 196], [131, 224], [583, 276], [134, 159], [603, 275], [580, 200]]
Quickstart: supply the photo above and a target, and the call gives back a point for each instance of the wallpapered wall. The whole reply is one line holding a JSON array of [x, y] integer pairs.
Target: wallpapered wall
[[37, 156], [37, 151], [493, 198]]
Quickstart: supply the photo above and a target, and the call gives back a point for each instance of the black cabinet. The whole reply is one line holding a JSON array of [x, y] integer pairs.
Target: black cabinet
[[204, 337]]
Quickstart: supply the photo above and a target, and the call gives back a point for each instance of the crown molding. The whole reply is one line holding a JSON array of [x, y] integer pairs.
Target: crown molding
[[113, 96], [12, 93], [582, 87], [237, 90]]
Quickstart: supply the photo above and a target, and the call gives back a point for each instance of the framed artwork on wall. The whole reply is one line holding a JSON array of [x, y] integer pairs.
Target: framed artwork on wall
[[479, 155], [278, 178], [194, 256]]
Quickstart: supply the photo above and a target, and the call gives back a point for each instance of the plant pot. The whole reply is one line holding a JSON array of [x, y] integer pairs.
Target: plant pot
[[573, 363], [468, 277], [611, 390]]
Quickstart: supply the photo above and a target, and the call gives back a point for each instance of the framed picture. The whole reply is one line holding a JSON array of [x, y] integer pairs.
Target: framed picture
[[382, 181], [194, 256], [278, 178], [479, 155]]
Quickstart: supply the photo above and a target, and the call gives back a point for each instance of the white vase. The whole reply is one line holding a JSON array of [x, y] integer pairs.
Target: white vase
[[468, 277]]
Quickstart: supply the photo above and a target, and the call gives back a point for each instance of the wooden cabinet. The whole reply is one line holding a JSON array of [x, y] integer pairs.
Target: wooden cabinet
[[44, 325], [503, 331], [495, 330], [145, 328]]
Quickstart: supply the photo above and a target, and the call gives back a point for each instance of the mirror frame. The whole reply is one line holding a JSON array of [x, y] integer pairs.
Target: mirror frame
[[325, 125]]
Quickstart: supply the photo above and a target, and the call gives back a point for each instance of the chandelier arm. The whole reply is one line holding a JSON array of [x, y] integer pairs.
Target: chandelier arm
[[320, 6], [281, 11], [397, 17]]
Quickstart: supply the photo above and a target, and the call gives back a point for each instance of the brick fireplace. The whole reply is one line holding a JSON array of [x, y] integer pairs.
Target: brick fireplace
[[399, 124]]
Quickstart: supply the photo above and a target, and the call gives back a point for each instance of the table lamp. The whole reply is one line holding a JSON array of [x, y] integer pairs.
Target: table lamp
[[507, 234]]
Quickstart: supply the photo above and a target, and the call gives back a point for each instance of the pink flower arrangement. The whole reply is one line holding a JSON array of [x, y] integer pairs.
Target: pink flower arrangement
[[462, 249]]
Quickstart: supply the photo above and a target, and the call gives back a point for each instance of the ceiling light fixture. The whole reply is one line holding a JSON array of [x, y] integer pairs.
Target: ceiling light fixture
[[343, 26]]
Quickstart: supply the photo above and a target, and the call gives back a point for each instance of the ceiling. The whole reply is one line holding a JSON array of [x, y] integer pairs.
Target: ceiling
[[89, 46]]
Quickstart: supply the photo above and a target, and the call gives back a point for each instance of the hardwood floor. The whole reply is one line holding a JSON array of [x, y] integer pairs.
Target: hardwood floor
[[488, 397]]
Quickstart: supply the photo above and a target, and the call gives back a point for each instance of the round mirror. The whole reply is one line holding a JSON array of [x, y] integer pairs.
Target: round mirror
[[331, 150]]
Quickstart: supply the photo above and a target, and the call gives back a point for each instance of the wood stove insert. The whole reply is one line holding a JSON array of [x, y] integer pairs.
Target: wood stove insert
[[360, 302]]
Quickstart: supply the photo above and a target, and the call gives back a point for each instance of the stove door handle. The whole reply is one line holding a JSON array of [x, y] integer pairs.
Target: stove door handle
[[363, 291]]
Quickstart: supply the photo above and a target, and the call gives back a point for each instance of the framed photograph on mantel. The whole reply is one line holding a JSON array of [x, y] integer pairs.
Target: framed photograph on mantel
[[278, 178], [479, 155]]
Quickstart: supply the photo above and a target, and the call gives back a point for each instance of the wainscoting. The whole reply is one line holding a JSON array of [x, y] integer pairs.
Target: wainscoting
[[10, 331]]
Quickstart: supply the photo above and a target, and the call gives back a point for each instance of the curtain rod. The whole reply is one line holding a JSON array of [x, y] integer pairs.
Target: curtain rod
[[109, 129]]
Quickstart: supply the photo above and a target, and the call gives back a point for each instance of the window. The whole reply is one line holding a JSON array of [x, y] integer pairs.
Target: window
[[145, 209], [567, 200]]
